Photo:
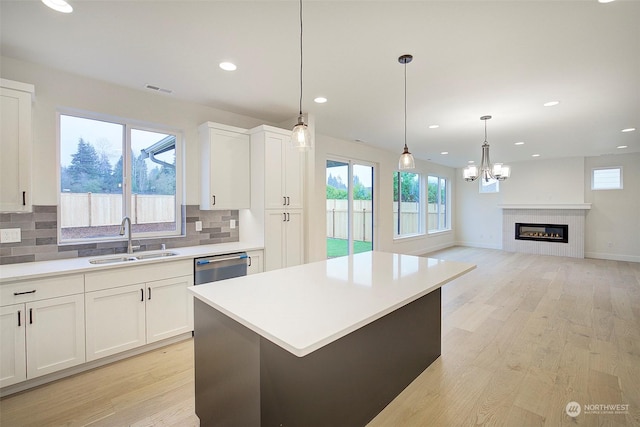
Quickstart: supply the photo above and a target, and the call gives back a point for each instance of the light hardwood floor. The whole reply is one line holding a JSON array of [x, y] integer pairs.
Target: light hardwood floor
[[523, 335]]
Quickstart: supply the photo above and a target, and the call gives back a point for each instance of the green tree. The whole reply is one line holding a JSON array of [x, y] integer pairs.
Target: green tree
[[409, 186], [84, 170], [335, 193]]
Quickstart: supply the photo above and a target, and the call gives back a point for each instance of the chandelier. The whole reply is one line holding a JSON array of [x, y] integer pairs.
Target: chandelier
[[487, 171]]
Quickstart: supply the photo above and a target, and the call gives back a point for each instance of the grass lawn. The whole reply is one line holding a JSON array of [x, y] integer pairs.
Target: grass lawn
[[338, 247]]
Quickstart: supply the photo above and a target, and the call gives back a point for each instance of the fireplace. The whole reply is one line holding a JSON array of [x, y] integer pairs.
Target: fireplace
[[558, 233]]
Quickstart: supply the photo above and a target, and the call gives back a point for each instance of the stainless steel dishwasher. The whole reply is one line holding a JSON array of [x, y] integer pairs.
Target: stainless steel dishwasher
[[220, 267]]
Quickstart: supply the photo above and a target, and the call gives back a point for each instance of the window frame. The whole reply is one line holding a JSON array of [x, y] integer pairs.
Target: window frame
[[447, 205], [593, 176], [128, 125], [421, 211]]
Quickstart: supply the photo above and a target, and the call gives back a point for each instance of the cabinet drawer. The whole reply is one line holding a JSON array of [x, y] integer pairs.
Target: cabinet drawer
[[34, 290], [129, 275]]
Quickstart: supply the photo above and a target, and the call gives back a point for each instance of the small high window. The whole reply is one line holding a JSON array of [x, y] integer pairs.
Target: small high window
[[490, 185], [606, 178]]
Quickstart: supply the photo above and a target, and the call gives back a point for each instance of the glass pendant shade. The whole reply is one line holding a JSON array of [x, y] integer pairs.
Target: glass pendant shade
[[470, 173], [406, 160], [300, 136]]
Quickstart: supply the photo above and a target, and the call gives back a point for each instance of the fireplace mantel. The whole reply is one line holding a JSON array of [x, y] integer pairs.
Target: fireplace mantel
[[583, 206]]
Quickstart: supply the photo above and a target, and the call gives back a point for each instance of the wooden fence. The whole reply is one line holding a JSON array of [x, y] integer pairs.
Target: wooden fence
[[338, 216], [96, 209]]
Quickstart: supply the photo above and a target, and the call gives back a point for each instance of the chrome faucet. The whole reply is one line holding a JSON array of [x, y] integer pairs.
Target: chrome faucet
[[126, 219]]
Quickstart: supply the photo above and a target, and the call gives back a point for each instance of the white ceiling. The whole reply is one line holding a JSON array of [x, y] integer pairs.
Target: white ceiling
[[471, 58]]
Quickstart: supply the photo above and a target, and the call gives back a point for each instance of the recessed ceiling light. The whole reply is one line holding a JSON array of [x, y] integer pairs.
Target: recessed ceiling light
[[628, 130], [444, 152], [434, 126], [551, 103], [228, 66], [622, 146], [535, 155], [59, 5], [519, 143], [471, 161], [320, 100], [605, 1]]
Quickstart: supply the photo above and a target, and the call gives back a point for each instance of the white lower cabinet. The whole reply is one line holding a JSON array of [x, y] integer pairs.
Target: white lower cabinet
[[256, 263], [13, 351], [169, 308], [126, 317], [41, 337]]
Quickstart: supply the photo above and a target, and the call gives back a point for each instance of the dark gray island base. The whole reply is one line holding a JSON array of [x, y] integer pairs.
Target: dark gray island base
[[244, 380]]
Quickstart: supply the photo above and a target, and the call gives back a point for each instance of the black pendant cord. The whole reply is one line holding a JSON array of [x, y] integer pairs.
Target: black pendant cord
[[301, 57], [405, 106]]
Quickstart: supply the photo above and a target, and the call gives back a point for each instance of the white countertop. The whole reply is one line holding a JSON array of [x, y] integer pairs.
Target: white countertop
[[43, 269], [306, 307]]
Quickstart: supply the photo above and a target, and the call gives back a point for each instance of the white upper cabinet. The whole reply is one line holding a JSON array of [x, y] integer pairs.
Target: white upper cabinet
[[284, 177], [226, 167], [15, 146]]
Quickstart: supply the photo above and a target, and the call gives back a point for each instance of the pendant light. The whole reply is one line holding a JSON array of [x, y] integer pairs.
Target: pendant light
[[300, 136], [406, 158], [487, 171]]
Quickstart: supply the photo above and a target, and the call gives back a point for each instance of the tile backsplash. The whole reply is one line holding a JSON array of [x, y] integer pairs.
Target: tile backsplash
[[39, 235]]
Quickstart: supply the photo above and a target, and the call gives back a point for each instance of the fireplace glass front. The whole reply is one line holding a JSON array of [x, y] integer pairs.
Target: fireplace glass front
[[542, 232]]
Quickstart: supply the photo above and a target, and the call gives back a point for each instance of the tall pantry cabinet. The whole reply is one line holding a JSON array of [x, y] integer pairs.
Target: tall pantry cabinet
[[15, 145], [277, 195]]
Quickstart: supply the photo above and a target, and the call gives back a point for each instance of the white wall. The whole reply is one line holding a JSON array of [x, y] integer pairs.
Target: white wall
[[613, 223], [478, 218], [54, 88], [612, 226], [545, 181], [386, 163]]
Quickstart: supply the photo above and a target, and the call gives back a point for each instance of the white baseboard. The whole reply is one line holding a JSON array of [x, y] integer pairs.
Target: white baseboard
[[432, 249], [612, 257], [483, 245]]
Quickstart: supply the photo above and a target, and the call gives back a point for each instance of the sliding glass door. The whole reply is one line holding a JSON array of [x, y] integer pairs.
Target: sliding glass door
[[349, 207]]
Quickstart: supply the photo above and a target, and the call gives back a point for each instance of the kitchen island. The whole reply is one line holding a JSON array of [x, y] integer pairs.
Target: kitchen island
[[325, 343]]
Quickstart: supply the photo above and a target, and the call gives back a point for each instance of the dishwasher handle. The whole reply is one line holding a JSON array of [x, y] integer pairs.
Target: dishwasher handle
[[209, 261]]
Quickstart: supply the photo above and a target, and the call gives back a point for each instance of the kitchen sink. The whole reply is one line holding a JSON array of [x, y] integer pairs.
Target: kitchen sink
[[111, 260], [136, 257], [156, 255]]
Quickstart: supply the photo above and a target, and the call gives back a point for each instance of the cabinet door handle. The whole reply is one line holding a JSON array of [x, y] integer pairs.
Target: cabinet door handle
[[142, 295], [19, 318], [284, 200], [214, 199], [24, 198], [288, 200], [284, 216], [149, 297], [249, 265], [288, 217], [24, 293], [31, 316]]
